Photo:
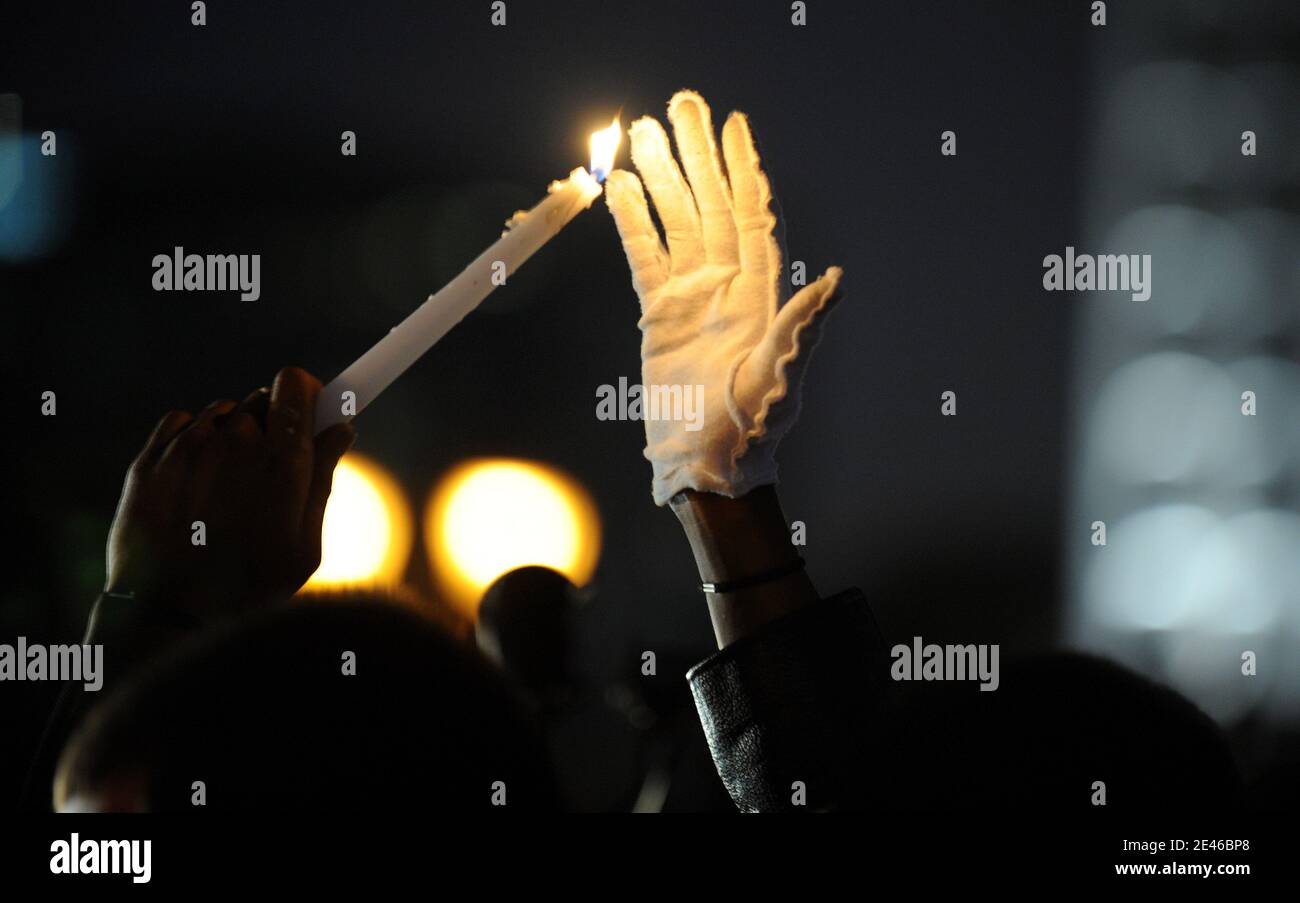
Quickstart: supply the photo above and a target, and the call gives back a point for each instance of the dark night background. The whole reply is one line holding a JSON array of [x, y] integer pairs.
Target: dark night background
[[225, 139]]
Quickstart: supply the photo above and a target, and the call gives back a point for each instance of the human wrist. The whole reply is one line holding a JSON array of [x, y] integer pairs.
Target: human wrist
[[734, 538], [743, 542]]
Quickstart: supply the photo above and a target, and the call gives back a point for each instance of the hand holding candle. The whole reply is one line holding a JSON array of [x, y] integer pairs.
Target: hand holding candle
[[356, 387]]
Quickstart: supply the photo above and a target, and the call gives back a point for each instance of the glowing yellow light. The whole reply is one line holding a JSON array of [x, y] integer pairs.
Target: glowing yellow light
[[604, 147], [366, 539], [490, 516]]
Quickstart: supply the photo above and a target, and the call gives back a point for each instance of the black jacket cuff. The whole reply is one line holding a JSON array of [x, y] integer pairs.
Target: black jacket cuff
[[783, 709]]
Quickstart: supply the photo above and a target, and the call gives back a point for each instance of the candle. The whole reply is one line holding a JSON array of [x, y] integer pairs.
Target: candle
[[525, 234]]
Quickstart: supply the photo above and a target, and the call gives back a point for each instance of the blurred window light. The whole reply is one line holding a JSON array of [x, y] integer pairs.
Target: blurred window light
[[1170, 417], [489, 516], [1206, 277], [1243, 576], [1274, 238], [1136, 581], [1275, 447], [1202, 666], [1157, 114], [367, 535], [1203, 554]]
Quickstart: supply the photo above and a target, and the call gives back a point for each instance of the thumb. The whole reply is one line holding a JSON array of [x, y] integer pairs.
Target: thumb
[[764, 369]]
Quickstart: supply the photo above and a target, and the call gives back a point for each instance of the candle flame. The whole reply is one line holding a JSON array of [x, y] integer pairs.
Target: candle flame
[[604, 147]]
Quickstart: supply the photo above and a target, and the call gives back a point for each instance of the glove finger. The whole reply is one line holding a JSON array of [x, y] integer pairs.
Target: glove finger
[[671, 195], [693, 131], [751, 198], [761, 380], [646, 256]]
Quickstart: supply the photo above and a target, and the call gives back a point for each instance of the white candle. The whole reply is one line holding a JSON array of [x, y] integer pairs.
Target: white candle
[[525, 233]]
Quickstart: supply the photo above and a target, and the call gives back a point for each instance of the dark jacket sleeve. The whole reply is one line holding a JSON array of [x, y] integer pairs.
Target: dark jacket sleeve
[[804, 715], [789, 711]]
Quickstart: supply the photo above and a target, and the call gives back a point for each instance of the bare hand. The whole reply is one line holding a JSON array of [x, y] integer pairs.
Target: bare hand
[[222, 512]]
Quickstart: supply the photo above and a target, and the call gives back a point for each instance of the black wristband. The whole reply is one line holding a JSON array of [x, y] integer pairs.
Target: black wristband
[[730, 586]]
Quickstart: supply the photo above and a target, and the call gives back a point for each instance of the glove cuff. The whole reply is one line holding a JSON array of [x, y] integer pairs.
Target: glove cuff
[[756, 468]]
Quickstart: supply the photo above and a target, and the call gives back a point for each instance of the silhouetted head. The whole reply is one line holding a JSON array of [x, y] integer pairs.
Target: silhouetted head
[[321, 705], [523, 625]]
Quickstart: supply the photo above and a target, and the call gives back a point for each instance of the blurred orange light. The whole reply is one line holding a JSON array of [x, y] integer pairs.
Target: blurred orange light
[[367, 535], [489, 516]]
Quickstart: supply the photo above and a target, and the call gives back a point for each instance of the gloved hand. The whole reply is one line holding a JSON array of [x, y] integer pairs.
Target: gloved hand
[[712, 320]]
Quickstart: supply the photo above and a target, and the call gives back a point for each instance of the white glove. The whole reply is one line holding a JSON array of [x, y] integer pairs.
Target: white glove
[[712, 321]]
